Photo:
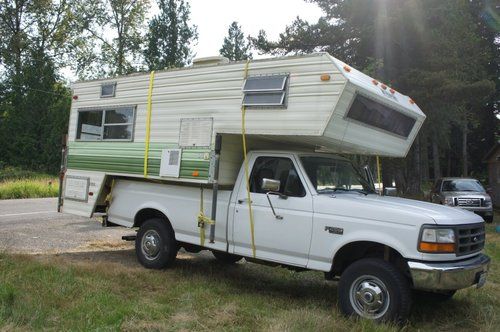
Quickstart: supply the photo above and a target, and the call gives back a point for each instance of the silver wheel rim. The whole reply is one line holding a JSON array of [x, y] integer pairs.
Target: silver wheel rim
[[369, 297], [150, 244]]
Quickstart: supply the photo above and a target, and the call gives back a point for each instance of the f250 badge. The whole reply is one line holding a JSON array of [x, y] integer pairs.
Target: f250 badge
[[334, 230]]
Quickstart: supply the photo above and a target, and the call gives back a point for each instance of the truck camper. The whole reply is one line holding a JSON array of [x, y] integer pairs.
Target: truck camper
[[242, 158]]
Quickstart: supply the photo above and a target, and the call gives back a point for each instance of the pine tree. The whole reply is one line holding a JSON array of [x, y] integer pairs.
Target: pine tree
[[170, 36], [235, 47]]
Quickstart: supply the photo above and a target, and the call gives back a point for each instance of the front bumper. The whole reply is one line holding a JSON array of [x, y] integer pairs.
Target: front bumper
[[449, 275]]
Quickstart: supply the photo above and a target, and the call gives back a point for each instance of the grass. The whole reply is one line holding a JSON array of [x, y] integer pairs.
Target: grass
[[19, 183], [29, 188], [110, 291]]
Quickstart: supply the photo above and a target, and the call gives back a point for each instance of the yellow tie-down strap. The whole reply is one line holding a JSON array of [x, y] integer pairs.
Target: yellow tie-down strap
[[245, 162], [148, 121], [202, 221]]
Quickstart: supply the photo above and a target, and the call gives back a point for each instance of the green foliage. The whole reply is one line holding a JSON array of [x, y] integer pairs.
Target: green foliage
[[170, 36], [442, 53], [29, 188], [235, 47], [16, 173]]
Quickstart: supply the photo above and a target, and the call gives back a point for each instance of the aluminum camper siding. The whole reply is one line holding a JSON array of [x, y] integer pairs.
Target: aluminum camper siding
[[199, 92]]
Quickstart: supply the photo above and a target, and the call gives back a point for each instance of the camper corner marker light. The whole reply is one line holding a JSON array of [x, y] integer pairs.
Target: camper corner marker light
[[347, 68], [383, 86], [392, 90], [325, 77], [375, 82]]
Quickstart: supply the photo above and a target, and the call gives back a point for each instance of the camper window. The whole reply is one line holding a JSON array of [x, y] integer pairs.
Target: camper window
[[107, 124], [108, 90], [264, 91], [380, 116]]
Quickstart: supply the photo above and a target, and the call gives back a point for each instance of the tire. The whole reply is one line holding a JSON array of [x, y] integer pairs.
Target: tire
[[434, 296], [225, 257], [155, 245], [369, 279], [488, 219]]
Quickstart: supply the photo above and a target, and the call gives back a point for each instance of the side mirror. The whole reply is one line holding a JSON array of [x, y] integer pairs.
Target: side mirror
[[390, 191], [272, 187], [270, 184]]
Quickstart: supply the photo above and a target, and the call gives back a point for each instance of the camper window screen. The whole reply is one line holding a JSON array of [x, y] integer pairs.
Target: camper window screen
[[109, 124], [265, 90], [380, 116]]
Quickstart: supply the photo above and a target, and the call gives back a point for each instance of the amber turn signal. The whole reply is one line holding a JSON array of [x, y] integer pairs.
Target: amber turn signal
[[325, 77], [195, 173], [436, 248]]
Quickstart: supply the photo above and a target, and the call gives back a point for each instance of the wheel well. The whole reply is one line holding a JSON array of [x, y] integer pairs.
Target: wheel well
[[354, 251], [146, 214]]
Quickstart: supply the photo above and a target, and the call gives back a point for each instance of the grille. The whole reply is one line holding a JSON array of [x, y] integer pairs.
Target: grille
[[470, 239], [468, 202]]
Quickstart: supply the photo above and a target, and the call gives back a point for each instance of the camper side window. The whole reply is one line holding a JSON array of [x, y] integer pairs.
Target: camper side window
[[265, 91], [380, 116], [106, 124]]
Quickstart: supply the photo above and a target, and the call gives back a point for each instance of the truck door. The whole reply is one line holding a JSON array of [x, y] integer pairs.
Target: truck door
[[286, 238]]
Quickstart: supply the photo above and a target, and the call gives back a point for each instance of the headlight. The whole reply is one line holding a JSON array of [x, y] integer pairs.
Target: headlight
[[449, 201], [487, 202], [437, 240]]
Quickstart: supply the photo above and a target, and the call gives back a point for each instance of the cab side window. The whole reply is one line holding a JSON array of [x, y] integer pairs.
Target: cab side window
[[281, 169]]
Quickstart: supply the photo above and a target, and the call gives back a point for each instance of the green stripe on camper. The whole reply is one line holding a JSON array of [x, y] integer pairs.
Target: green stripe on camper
[[128, 157]]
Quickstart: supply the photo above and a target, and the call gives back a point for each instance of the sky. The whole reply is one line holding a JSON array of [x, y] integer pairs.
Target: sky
[[213, 18]]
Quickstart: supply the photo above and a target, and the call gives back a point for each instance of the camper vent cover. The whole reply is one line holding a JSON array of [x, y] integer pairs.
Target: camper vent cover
[[195, 132], [170, 162]]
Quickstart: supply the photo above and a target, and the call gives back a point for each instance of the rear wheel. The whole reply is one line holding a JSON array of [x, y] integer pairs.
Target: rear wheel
[[225, 257], [155, 245], [374, 289]]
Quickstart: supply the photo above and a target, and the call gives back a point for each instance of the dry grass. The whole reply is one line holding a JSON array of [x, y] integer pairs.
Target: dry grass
[[110, 291]]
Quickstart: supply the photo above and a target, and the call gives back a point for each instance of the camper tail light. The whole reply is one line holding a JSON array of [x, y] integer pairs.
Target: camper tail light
[[437, 240]]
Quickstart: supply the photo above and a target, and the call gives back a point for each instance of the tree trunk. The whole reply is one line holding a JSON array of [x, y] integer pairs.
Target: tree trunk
[[424, 158], [435, 158], [465, 169]]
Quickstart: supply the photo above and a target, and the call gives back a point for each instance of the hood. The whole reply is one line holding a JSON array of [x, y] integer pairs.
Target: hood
[[394, 209]]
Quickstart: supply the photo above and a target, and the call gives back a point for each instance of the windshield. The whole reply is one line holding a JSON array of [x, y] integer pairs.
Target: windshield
[[330, 175], [462, 185]]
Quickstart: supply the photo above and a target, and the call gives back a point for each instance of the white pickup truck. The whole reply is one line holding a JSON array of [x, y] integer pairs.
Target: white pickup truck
[[317, 212]]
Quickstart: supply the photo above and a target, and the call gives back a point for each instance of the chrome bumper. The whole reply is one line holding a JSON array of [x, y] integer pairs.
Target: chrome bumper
[[450, 275]]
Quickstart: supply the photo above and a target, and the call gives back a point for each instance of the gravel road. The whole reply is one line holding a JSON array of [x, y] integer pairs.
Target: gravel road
[[33, 226]]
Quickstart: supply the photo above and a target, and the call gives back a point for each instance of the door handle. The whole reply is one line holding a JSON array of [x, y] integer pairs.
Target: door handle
[[243, 200]]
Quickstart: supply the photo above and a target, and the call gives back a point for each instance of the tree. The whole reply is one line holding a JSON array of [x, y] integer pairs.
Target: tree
[[235, 47], [111, 36], [34, 108], [170, 36], [438, 52]]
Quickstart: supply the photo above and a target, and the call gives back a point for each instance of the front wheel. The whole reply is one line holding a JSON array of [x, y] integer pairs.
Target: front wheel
[[374, 289], [155, 245], [488, 219]]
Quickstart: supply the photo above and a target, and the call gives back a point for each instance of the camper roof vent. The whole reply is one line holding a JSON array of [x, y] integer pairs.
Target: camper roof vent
[[210, 61]]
